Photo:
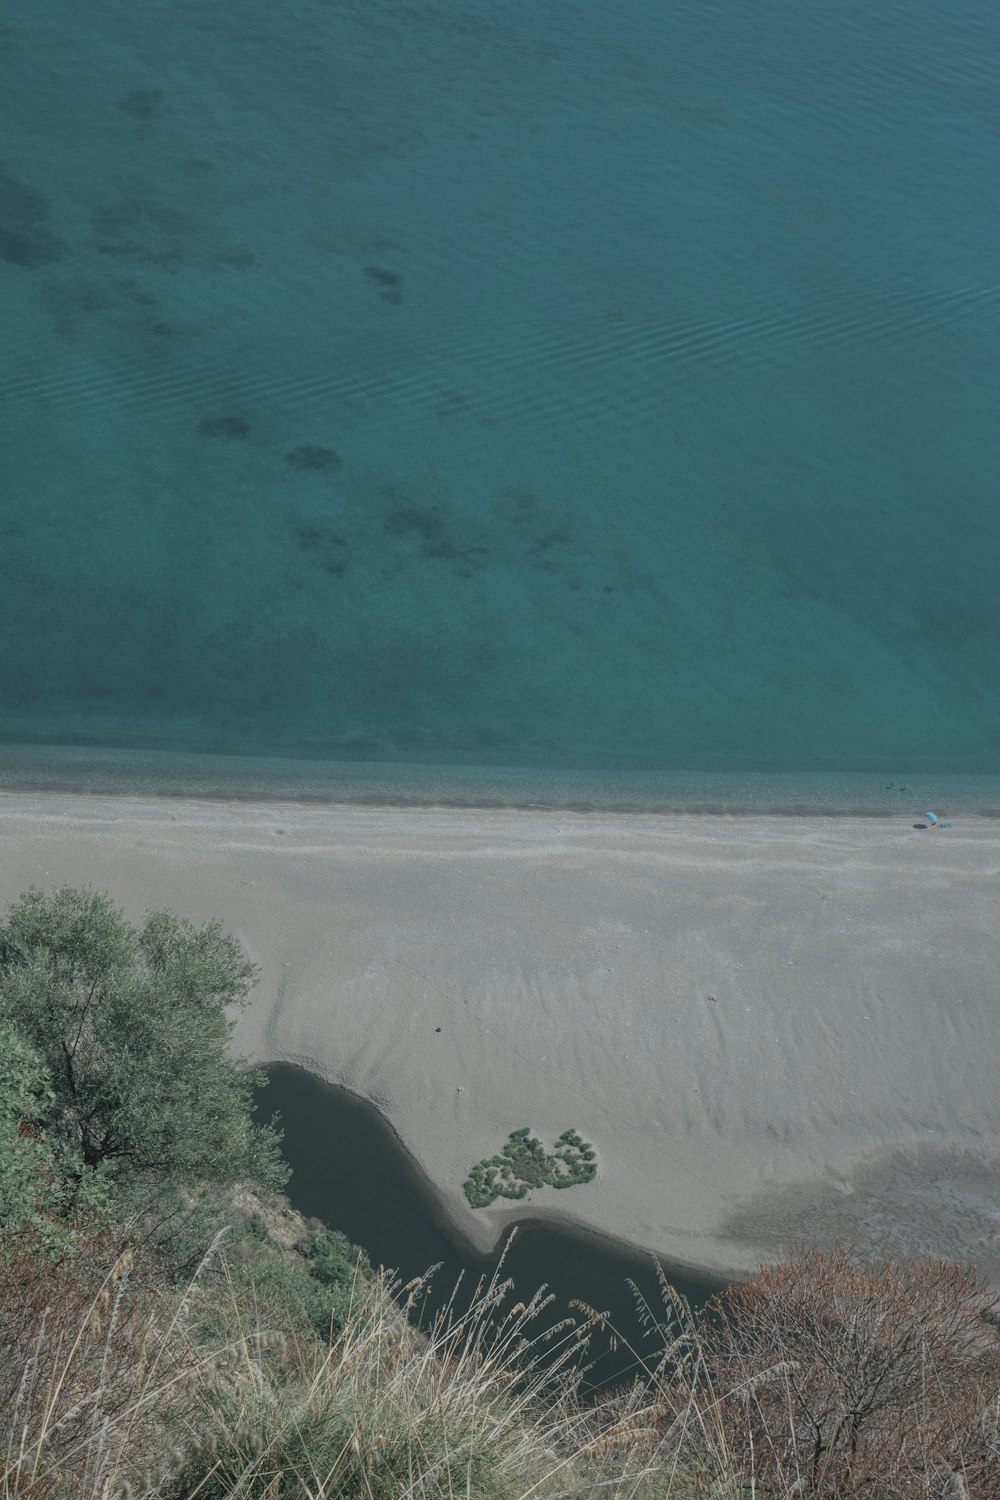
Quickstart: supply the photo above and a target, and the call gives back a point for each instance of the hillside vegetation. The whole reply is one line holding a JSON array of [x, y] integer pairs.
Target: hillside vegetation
[[170, 1328]]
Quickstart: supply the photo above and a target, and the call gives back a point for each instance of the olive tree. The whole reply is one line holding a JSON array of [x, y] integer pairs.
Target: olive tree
[[32, 1182], [123, 1031]]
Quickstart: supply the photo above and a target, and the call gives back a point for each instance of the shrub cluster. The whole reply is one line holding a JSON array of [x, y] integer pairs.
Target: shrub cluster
[[524, 1164]]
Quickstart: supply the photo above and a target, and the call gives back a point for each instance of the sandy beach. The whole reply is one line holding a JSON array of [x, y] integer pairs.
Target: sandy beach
[[774, 1030]]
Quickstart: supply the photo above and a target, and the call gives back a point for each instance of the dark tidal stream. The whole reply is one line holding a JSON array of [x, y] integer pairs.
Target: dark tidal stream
[[350, 1170]]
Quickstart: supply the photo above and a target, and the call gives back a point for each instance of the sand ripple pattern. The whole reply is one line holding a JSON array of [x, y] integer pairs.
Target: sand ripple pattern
[[554, 380]]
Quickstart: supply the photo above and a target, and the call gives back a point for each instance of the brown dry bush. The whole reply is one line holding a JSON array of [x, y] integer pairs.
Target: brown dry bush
[[822, 1377]]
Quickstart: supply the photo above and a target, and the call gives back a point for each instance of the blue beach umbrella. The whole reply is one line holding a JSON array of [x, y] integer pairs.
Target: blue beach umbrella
[[930, 817]]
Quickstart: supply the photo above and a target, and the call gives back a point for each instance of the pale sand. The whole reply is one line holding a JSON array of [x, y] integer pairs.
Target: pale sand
[[774, 1030]]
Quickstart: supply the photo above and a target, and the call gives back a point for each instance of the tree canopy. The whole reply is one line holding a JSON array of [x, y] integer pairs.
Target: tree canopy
[[114, 1041]]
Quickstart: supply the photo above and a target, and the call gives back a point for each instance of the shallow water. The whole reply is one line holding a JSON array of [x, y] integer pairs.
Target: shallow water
[[349, 1169], [595, 391]]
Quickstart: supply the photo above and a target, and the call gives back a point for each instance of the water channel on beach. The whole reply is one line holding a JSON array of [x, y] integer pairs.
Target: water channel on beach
[[350, 1170]]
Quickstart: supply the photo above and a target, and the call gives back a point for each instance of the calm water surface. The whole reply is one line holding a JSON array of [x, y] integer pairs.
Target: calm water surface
[[349, 1170], [591, 388]]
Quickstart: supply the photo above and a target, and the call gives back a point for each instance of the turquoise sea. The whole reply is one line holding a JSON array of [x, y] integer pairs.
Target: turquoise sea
[[591, 400]]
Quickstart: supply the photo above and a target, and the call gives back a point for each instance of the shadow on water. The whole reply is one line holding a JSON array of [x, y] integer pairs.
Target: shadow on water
[[350, 1170]]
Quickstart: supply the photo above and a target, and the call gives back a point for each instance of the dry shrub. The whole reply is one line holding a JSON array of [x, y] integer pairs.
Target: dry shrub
[[822, 1377]]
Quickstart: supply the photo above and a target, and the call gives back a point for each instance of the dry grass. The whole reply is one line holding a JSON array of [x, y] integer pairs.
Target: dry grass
[[89, 1360], [115, 1391], [112, 1393]]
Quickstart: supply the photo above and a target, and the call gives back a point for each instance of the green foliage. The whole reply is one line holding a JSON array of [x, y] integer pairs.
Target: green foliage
[[286, 1295], [323, 1287], [173, 1221], [120, 1061], [525, 1164], [256, 1228], [333, 1260], [34, 1179]]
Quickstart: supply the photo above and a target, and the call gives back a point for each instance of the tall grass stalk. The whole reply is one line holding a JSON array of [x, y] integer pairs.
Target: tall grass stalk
[[118, 1391]]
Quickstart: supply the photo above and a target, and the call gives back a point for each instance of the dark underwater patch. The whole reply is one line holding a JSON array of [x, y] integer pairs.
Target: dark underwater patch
[[318, 460], [224, 427], [25, 237], [141, 230], [309, 537], [410, 518], [142, 104], [386, 282]]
